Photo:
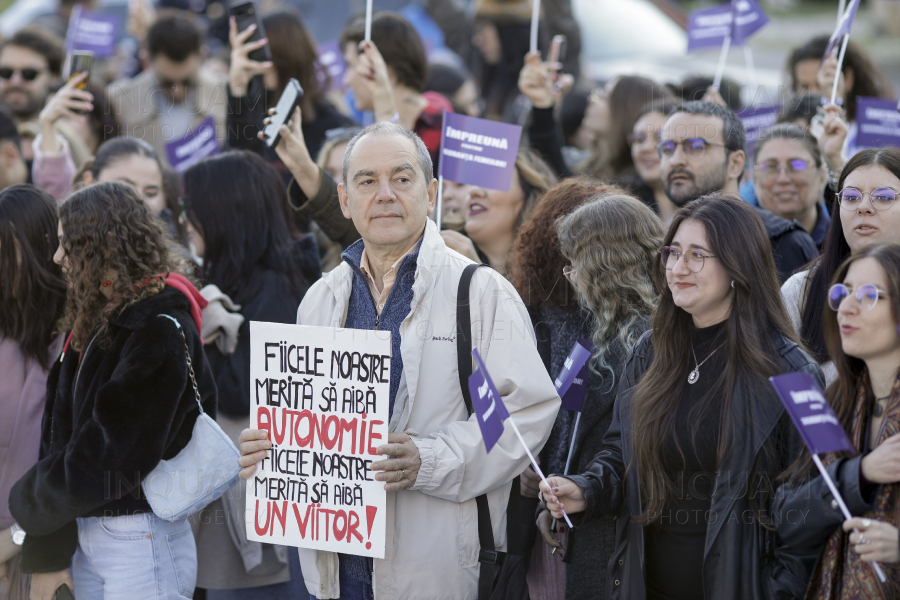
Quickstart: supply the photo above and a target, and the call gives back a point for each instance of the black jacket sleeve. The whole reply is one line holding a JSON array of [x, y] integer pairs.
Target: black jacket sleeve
[[245, 120], [546, 139], [134, 414], [792, 250], [807, 514], [325, 209]]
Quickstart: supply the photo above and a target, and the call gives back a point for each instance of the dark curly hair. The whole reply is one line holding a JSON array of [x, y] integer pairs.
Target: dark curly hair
[[107, 227], [537, 263]]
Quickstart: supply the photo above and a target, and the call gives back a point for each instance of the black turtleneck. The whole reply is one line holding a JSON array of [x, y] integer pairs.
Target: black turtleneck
[[674, 544]]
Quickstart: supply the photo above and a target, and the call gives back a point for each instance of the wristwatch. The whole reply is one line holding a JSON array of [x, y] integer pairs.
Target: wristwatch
[[18, 534]]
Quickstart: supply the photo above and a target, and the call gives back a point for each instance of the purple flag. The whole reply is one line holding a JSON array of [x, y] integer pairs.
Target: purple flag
[[843, 27], [478, 151], [331, 59], [197, 144], [708, 27], [878, 123], [571, 382], [811, 414], [748, 18], [757, 121], [487, 404], [92, 32]]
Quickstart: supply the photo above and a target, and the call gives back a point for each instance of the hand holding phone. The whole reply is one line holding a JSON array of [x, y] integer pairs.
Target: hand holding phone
[[245, 15], [290, 99]]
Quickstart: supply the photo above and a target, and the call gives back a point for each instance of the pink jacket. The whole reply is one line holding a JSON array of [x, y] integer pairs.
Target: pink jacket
[[22, 397], [53, 173]]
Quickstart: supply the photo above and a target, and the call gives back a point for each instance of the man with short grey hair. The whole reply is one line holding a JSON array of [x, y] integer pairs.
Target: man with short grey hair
[[401, 277]]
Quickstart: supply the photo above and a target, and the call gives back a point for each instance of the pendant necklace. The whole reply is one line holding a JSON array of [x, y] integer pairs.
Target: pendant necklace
[[878, 409], [694, 375]]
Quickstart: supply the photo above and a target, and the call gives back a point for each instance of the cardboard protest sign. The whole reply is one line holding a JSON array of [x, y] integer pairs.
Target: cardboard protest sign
[[197, 144], [811, 414], [487, 404], [478, 151], [321, 393], [757, 120], [571, 382], [878, 123], [92, 32]]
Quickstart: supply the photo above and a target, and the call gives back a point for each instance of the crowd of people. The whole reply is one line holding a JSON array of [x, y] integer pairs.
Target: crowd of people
[[635, 219]]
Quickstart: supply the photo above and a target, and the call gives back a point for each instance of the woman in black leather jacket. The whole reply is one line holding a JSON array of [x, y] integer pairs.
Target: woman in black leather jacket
[[699, 437]]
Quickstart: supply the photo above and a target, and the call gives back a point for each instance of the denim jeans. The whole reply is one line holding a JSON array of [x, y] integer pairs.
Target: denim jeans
[[134, 556], [352, 589]]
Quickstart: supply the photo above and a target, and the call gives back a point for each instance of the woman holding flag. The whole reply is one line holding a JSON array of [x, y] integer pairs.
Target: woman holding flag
[[861, 332], [691, 491]]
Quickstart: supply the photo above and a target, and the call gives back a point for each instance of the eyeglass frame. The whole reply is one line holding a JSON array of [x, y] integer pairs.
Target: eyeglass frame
[[682, 143], [862, 195], [632, 141], [666, 251], [879, 293], [786, 168]]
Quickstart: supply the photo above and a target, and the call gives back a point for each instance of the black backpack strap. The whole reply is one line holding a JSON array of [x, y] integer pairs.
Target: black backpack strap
[[489, 558]]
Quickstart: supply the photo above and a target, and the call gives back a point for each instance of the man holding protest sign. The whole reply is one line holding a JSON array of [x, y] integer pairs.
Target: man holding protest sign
[[402, 278]]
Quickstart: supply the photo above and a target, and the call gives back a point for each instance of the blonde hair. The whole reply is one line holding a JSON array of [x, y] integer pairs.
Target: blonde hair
[[614, 241]]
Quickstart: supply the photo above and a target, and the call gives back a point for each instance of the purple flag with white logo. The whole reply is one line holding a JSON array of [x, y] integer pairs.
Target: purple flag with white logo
[[331, 59], [748, 18], [878, 123], [757, 120], [478, 151], [811, 414], [571, 382], [708, 27], [92, 32], [197, 144], [843, 27], [487, 404]]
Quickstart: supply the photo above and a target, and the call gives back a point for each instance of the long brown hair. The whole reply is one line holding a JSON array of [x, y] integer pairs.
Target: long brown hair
[[294, 55], [536, 265], [107, 227], [852, 371], [737, 238], [32, 293]]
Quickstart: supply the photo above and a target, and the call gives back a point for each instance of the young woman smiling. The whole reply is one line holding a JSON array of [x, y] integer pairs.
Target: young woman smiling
[[862, 336], [696, 390], [869, 185]]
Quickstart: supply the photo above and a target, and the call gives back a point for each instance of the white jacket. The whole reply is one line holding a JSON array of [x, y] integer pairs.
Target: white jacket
[[431, 549]]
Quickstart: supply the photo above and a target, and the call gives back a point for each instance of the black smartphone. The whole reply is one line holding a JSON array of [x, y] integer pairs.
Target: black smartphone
[[290, 99], [245, 15], [63, 593]]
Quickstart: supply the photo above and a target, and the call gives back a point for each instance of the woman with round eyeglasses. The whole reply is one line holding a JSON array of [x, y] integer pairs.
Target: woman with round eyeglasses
[[696, 417], [862, 336], [646, 182], [869, 185], [789, 178]]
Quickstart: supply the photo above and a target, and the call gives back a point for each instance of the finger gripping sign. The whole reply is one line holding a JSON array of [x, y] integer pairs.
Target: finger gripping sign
[[321, 394]]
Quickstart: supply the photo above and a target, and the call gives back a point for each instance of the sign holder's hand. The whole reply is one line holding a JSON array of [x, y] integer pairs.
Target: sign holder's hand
[[882, 465], [243, 69], [63, 103], [460, 243], [826, 73], [834, 133], [399, 471], [292, 151], [529, 483], [254, 445], [874, 541], [562, 496], [545, 526]]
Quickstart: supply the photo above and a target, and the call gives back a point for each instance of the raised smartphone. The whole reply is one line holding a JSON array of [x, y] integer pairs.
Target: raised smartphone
[[290, 99], [245, 15]]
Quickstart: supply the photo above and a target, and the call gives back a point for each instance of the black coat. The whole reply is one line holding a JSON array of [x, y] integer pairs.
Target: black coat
[[111, 415], [792, 247], [742, 560]]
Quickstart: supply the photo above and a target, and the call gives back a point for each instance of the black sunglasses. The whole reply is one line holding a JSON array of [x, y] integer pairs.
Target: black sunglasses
[[27, 74]]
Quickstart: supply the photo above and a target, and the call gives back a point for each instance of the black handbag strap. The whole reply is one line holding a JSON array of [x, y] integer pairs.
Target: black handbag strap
[[488, 556]]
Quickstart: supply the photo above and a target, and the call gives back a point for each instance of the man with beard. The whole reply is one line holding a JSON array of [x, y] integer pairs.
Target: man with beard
[[30, 66], [702, 150]]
